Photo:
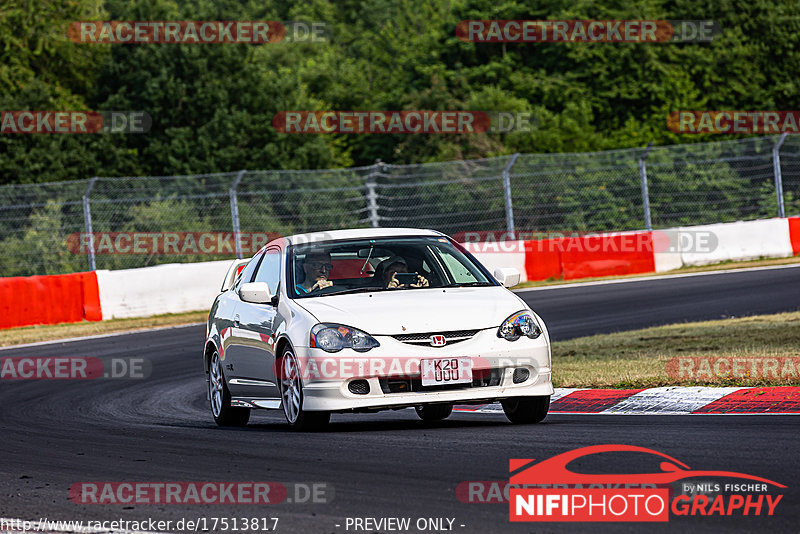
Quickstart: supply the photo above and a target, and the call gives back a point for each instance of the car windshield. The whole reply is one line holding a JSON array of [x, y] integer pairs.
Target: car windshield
[[381, 264]]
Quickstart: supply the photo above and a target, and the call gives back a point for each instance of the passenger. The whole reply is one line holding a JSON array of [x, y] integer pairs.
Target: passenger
[[397, 264], [316, 267]]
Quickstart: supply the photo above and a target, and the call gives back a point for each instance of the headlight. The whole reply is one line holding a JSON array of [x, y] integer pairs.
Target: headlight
[[520, 324], [335, 337]]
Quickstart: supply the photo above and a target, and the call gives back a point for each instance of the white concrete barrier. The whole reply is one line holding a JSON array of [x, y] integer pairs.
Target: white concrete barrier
[[743, 240], [170, 288], [666, 250]]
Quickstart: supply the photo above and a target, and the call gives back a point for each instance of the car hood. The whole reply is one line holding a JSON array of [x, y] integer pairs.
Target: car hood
[[414, 311]]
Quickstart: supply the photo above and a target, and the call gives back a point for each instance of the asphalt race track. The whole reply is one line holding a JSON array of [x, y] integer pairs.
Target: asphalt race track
[[56, 433]]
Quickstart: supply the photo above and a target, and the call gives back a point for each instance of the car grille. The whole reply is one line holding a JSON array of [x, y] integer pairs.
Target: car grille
[[453, 336], [480, 378]]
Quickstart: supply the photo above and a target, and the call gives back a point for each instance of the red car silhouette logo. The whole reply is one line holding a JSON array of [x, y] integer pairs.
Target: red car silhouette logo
[[554, 470]]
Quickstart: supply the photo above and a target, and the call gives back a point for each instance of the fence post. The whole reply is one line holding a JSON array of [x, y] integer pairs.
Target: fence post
[[776, 169], [87, 221], [648, 223], [372, 195], [237, 238], [507, 194]]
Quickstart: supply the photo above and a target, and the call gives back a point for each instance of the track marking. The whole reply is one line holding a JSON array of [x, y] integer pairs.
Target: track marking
[[670, 400], [763, 400]]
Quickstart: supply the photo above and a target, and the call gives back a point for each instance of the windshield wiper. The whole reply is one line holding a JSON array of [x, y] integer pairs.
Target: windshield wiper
[[352, 290], [469, 284]]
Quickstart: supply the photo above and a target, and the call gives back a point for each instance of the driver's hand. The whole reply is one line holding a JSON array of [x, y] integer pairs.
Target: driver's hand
[[321, 284], [393, 282], [421, 282]]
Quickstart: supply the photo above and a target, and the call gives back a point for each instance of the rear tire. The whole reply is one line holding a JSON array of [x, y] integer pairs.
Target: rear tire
[[434, 412], [220, 398], [292, 397], [526, 410]]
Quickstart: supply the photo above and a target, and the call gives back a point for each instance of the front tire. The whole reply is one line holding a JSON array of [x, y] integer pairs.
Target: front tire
[[434, 412], [526, 410], [220, 398], [292, 397]]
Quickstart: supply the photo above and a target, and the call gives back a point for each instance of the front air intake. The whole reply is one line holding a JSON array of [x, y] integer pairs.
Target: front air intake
[[358, 387], [521, 374]]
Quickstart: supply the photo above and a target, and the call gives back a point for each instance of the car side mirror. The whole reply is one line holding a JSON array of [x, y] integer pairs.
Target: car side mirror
[[508, 276], [255, 292]]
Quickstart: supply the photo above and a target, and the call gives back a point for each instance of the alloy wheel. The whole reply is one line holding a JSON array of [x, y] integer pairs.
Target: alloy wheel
[[291, 387], [215, 385]]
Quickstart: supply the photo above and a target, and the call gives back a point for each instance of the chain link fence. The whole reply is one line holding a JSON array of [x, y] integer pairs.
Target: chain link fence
[[44, 227]]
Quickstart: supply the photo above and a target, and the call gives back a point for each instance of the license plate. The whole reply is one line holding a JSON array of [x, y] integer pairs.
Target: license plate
[[446, 371]]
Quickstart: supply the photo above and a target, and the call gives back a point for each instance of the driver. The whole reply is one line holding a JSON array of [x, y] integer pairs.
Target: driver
[[396, 264], [316, 266]]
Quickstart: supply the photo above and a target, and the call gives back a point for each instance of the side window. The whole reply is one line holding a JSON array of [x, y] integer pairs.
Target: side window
[[248, 271], [270, 270]]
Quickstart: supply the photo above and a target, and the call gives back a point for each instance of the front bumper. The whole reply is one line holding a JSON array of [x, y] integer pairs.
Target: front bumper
[[326, 387]]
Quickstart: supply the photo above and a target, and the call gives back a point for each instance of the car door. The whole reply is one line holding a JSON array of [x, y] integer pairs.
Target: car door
[[252, 356], [224, 314]]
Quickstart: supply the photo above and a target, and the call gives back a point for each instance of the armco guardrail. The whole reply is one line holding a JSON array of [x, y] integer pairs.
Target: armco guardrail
[[42, 226], [188, 287]]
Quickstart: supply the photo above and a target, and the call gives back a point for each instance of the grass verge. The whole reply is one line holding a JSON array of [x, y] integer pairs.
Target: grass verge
[[723, 266], [32, 334], [756, 350]]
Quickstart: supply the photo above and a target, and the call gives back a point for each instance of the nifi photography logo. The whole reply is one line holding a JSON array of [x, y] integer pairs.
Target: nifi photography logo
[[549, 491]]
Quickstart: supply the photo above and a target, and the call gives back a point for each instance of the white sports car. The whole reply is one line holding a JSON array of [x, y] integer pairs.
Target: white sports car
[[372, 319]]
